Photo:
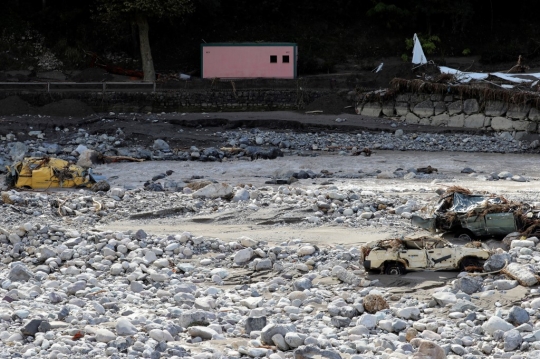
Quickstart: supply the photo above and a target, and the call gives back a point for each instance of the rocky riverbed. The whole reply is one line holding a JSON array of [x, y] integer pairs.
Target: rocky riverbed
[[213, 253]]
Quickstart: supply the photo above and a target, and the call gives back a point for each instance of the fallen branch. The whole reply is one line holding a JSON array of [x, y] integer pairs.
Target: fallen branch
[[98, 205], [60, 207]]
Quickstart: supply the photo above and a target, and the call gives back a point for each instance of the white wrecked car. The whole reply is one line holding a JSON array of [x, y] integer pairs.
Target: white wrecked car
[[396, 256]]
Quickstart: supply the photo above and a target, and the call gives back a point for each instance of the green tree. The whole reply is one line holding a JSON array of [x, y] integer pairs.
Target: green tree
[[138, 12]]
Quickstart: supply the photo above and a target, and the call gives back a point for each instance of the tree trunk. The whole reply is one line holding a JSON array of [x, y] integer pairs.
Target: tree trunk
[[135, 48], [146, 53]]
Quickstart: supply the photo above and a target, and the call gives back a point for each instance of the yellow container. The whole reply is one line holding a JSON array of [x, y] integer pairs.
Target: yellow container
[[36, 173]]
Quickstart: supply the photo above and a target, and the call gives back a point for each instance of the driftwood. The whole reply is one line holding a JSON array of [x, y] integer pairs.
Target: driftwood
[[315, 111], [518, 68]]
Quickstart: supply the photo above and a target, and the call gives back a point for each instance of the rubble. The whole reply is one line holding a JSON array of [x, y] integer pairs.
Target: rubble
[[478, 215], [69, 287]]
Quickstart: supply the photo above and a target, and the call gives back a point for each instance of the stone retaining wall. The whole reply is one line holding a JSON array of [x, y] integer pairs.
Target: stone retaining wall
[[182, 100], [454, 111]]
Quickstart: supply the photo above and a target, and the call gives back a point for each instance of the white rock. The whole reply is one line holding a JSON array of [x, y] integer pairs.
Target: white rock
[[241, 195], [367, 320], [117, 269], [125, 327], [215, 190], [520, 243], [252, 302], [444, 298], [496, 323], [306, 250], [243, 256], [150, 257], [104, 335], [408, 313], [247, 242], [159, 277], [202, 332], [157, 335], [221, 272]]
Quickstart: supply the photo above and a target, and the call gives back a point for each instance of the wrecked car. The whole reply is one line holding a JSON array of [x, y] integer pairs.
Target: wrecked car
[[470, 216], [48, 172], [396, 256]]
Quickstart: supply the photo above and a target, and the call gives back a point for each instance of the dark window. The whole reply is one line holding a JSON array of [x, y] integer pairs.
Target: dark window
[[273, 59], [285, 59]]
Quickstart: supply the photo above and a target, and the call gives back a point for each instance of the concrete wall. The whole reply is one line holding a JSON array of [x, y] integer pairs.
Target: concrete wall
[[454, 111], [181, 100]]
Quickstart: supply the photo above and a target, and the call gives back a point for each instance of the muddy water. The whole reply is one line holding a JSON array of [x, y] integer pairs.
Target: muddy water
[[449, 165]]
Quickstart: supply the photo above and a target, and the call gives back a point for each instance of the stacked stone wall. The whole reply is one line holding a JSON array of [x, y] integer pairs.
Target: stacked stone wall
[[453, 111]]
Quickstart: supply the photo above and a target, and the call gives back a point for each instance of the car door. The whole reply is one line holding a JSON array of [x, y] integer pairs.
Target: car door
[[416, 258], [475, 223], [441, 258], [500, 224]]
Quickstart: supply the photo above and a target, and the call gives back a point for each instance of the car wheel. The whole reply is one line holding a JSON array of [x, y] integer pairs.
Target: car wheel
[[468, 262], [465, 235], [394, 268]]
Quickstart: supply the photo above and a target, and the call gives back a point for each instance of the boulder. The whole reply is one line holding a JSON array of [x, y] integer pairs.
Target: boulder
[[496, 262], [204, 333], [427, 349], [215, 190], [496, 108], [160, 145], [124, 327], [456, 121], [371, 109], [374, 303], [470, 106], [19, 273], [517, 315], [495, 323], [444, 298], [512, 340], [502, 124], [468, 285], [411, 118], [272, 329], [475, 121], [345, 276], [255, 324], [105, 335], [455, 108], [424, 109], [243, 256], [518, 111], [87, 159], [522, 273]]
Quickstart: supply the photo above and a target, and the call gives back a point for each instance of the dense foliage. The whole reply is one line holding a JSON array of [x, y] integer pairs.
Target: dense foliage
[[327, 32]]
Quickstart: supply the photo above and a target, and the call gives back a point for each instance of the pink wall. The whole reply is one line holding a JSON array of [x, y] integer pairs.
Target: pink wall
[[247, 62]]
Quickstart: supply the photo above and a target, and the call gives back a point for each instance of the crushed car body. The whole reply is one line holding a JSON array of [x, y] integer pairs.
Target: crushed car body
[[396, 256], [471, 216], [48, 172]]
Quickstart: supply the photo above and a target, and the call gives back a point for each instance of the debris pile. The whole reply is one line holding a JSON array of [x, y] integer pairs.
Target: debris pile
[[479, 215]]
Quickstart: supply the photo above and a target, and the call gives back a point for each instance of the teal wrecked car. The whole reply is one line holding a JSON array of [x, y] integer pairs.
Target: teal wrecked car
[[476, 216]]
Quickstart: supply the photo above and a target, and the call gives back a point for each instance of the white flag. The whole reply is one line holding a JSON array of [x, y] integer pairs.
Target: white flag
[[418, 56]]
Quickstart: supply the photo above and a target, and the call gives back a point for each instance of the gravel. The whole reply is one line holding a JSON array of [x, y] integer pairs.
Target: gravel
[[70, 289]]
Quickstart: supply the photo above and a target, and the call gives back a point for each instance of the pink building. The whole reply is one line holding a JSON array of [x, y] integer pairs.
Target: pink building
[[249, 60]]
